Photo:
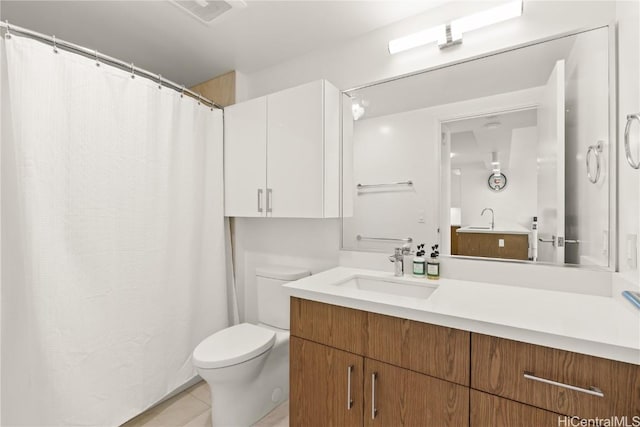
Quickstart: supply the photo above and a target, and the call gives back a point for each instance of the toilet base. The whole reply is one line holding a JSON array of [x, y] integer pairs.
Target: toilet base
[[245, 401]]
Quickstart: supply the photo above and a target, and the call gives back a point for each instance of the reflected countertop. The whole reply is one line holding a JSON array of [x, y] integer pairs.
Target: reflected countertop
[[515, 229], [588, 324]]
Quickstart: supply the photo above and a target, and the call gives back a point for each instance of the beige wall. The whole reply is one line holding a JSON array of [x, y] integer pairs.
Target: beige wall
[[220, 89]]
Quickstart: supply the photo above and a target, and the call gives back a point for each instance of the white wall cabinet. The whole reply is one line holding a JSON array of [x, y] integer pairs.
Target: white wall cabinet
[[245, 153], [282, 154]]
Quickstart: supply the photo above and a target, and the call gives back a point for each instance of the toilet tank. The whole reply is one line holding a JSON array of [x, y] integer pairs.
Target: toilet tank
[[273, 300]]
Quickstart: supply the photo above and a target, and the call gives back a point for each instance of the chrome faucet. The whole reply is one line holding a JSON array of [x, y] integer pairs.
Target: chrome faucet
[[399, 258], [398, 262], [492, 216]]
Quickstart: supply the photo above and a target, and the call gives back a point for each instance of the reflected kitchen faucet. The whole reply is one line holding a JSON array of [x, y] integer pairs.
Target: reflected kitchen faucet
[[492, 216]]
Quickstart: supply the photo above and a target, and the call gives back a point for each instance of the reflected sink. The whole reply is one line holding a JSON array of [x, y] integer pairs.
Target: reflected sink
[[389, 287]]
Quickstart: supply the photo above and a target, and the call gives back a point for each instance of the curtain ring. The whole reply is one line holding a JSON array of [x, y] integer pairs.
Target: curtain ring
[[55, 45], [95, 54], [182, 92], [199, 97], [159, 81], [7, 35], [133, 71]]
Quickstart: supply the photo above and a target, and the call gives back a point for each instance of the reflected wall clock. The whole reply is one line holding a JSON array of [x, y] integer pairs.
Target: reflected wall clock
[[497, 182]]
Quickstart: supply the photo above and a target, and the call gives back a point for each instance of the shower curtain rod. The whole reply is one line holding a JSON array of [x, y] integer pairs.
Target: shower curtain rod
[[71, 47]]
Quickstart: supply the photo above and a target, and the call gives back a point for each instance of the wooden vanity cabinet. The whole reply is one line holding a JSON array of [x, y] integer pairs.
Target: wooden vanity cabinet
[[398, 372], [380, 361], [487, 245]]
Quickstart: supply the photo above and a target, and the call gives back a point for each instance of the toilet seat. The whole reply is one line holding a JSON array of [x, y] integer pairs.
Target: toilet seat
[[232, 346]]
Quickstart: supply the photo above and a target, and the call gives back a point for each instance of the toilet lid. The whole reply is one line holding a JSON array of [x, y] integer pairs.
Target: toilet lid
[[233, 345]]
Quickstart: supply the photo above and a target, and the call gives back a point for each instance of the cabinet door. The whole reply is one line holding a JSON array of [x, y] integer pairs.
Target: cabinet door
[[399, 397], [488, 410], [295, 151], [245, 153], [325, 386]]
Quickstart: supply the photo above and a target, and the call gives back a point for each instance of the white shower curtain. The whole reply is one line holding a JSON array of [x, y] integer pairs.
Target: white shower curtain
[[113, 251]]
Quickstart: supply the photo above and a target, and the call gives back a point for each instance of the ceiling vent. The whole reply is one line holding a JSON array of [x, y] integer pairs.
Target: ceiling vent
[[207, 11]]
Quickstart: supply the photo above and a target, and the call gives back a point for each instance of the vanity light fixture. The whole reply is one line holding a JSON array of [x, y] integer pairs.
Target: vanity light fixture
[[451, 34], [421, 38]]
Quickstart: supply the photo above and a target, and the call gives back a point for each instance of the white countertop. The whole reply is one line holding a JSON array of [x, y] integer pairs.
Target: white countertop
[[593, 325], [494, 230]]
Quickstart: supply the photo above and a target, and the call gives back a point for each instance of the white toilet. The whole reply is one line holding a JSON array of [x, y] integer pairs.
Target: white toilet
[[246, 365]]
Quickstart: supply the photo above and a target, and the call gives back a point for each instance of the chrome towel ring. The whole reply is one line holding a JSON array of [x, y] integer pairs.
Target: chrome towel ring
[[627, 148], [596, 150]]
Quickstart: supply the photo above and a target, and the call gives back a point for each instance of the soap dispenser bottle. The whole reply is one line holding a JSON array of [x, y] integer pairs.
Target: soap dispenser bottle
[[419, 262], [433, 264]]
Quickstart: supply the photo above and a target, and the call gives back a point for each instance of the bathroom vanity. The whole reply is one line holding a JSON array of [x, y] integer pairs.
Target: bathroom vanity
[[491, 242], [368, 350]]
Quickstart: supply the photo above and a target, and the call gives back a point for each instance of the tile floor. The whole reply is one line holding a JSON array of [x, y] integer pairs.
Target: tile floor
[[191, 408]]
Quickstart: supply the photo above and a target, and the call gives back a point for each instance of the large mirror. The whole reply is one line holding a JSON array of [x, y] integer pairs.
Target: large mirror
[[505, 157]]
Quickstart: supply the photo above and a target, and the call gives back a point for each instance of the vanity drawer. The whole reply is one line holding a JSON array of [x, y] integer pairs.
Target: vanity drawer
[[494, 411], [523, 372], [433, 350], [338, 327]]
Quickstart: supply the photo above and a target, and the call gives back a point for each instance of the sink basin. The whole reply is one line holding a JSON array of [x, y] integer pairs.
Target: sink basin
[[389, 287], [478, 227]]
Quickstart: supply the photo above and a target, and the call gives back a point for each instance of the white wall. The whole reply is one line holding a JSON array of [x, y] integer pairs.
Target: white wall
[[1, 79], [366, 59], [628, 15], [587, 122], [306, 243], [395, 148]]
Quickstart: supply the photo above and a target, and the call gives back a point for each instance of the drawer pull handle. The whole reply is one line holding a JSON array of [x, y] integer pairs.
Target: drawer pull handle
[[349, 400], [374, 411], [269, 201], [593, 391]]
